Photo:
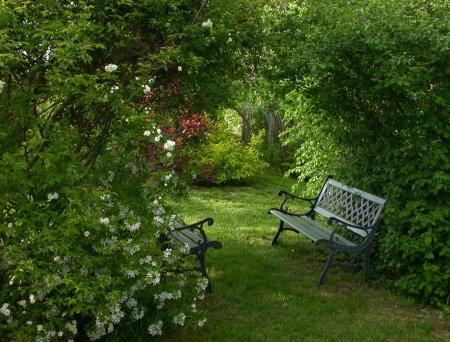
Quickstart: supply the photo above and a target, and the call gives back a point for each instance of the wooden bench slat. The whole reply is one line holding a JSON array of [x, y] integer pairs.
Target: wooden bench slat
[[312, 229]]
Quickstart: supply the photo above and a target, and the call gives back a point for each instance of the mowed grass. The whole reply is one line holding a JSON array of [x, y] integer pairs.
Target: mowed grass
[[265, 293]]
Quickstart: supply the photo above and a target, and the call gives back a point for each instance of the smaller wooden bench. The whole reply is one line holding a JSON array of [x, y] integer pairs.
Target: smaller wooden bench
[[351, 216], [193, 236]]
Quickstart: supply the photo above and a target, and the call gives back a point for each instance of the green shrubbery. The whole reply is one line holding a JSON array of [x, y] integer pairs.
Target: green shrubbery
[[229, 160], [375, 113]]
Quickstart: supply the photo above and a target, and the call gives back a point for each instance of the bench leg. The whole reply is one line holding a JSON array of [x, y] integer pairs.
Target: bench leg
[[201, 259], [280, 229], [327, 267]]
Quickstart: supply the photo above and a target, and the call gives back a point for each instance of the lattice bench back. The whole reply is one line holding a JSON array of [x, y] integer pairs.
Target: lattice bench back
[[352, 205]]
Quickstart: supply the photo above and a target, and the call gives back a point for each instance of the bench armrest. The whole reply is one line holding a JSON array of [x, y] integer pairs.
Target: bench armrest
[[195, 226], [288, 196], [340, 224]]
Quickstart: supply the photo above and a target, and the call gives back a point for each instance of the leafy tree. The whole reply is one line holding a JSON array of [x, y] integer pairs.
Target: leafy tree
[[96, 121], [368, 84]]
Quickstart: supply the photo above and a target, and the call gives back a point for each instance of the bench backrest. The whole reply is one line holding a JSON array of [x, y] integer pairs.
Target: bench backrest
[[351, 205]]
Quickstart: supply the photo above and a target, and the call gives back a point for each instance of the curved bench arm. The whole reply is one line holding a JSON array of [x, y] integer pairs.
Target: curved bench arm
[[197, 226], [342, 224], [288, 196]]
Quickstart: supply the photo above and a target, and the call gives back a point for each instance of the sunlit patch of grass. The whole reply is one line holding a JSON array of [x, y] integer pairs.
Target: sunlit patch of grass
[[264, 293]]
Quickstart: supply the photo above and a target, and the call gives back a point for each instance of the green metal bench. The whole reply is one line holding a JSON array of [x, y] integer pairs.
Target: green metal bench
[[352, 219], [194, 237]]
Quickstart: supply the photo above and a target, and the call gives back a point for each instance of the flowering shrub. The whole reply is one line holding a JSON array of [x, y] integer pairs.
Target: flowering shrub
[[79, 253], [95, 136], [86, 168]]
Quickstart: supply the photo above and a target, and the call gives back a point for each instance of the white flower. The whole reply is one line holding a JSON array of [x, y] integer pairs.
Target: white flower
[[147, 133], [207, 23], [86, 233], [32, 299], [22, 303], [180, 68], [155, 329], [4, 310], [229, 40], [54, 196], [179, 319], [169, 145], [147, 89], [157, 138], [202, 322], [60, 334], [110, 67], [40, 327], [104, 221]]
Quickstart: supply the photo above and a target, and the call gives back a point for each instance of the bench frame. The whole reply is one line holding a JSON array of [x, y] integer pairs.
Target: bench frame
[[192, 236], [346, 209]]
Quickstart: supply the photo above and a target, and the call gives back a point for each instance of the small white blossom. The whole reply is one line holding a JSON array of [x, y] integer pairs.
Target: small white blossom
[[86, 233], [4, 310], [22, 303], [110, 68], [180, 68], [32, 299], [147, 89], [169, 145], [40, 327], [229, 40], [54, 196], [202, 322], [207, 23], [104, 221], [179, 319], [155, 329], [147, 133]]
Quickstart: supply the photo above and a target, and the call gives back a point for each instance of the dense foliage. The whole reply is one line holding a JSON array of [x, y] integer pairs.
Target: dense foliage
[[230, 160], [368, 103], [97, 121]]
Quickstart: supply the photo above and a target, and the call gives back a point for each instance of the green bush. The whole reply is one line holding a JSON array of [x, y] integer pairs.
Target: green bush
[[229, 159], [374, 112]]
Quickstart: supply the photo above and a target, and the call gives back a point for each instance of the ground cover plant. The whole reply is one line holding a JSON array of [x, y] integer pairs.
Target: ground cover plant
[[264, 293]]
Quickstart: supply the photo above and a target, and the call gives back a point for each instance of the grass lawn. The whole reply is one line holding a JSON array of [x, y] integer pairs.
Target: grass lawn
[[264, 293]]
